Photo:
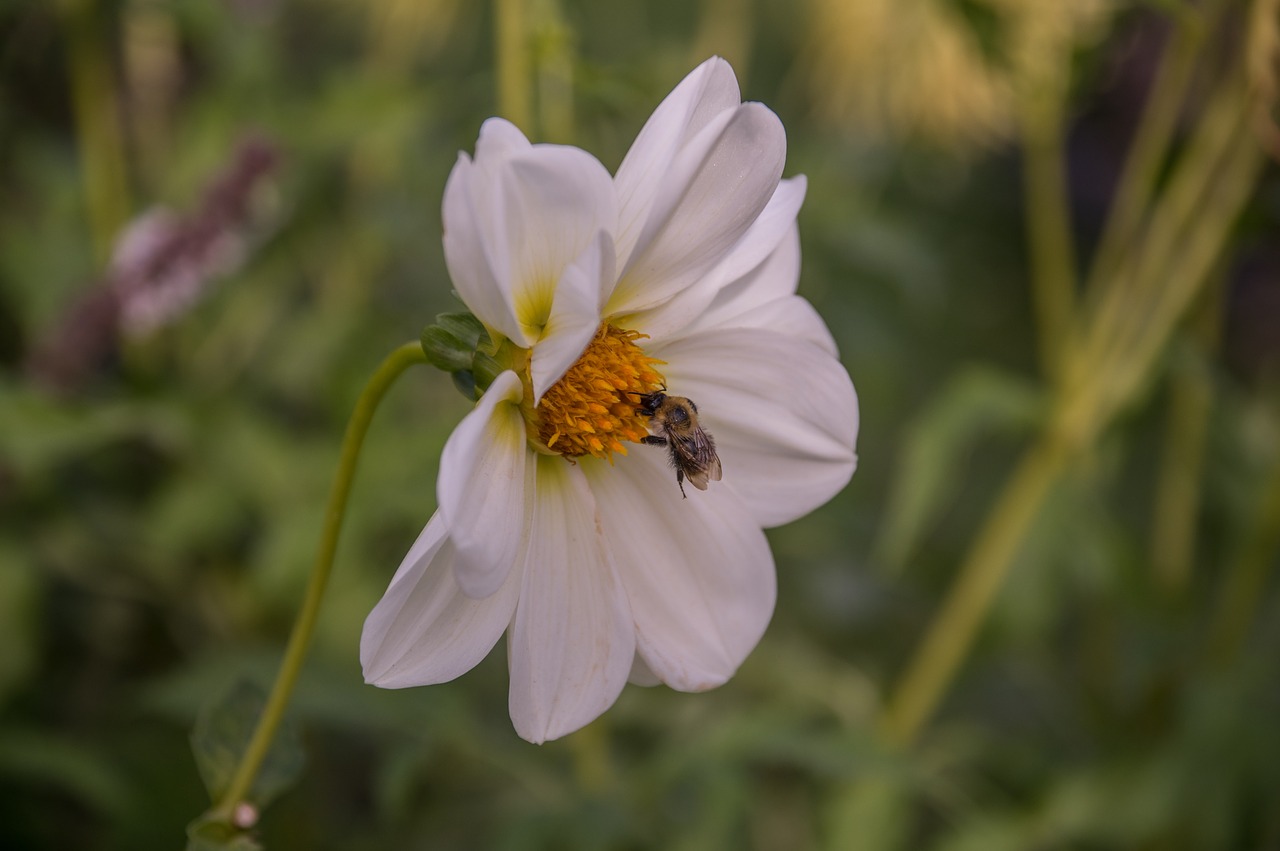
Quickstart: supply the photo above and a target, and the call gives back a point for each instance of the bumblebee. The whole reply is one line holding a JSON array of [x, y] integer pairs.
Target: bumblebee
[[692, 450]]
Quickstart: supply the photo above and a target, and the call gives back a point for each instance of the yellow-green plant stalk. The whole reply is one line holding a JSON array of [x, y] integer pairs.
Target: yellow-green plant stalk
[[1245, 583], [1177, 493], [1155, 133], [1111, 359], [556, 55], [514, 62], [95, 102], [1042, 111]]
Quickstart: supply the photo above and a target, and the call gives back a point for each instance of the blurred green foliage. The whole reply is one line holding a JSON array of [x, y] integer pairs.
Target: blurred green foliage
[[159, 509]]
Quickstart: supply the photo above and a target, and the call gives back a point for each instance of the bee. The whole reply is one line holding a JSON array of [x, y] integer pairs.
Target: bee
[[693, 451]]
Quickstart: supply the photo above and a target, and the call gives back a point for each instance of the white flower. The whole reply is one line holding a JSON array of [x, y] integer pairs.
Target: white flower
[[679, 272]]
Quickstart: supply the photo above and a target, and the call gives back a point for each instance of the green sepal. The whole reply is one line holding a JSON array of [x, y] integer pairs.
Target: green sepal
[[444, 350], [457, 343], [465, 328], [465, 381], [485, 369]]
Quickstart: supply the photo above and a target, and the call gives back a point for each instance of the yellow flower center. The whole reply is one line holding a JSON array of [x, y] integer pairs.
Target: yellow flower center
[[595, 406]]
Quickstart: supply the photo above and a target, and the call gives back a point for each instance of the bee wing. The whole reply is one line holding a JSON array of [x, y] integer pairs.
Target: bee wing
[[711, 473], [702, 464]]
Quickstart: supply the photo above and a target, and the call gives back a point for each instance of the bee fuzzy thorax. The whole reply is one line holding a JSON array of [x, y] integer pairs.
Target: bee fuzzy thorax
[[673, 423]]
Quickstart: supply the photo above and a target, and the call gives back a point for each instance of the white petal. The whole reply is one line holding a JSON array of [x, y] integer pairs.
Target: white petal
[[763, 298], [575, 314], [641, 674], [499, 138], [698, 571], [707, 91], [672, 318], [773, 279], [790, 316], [514, 219], [477, 275], [482, 489], [572, 641], [556, 199], [717, 186], [424, 630], [782, 410], [770, 228], [762, 266]]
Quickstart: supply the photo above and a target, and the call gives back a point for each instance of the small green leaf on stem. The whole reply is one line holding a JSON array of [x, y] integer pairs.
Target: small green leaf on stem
[[221, 735]]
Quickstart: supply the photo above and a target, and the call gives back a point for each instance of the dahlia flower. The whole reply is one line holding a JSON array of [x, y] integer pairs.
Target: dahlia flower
[[556, 525]]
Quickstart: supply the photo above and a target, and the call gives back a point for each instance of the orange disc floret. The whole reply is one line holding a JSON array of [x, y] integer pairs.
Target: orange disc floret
[[594, 407]]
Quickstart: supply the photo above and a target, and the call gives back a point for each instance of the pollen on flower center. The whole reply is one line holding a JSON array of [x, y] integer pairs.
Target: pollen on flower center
[[593, 409]]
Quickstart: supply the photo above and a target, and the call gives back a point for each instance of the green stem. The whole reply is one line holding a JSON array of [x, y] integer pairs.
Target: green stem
[[1151, 144], [1109, 291], [1175, 285], [592, 763], [1177, 498], [1048, 219], [1178, 495], [1175, 259], [555, 64], [241, 784], [1242, 591], [100, 137], [1139, 298], [1089, 407], [956, 625], [514, 73]]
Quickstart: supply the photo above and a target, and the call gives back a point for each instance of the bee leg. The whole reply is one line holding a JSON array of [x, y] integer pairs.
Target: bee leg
[[654, 440], [680, 482]]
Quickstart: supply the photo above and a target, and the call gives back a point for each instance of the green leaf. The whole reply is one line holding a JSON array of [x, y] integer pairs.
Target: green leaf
[[221, 735], [976, 403]]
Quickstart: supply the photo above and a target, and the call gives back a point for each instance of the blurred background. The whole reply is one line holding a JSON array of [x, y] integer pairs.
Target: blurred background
[[216, 218]]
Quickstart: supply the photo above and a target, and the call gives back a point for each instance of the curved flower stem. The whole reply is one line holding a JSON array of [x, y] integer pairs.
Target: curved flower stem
[[251, 760]]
